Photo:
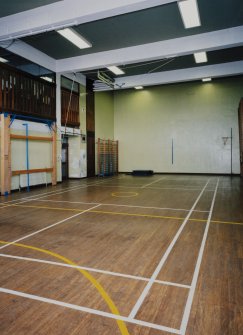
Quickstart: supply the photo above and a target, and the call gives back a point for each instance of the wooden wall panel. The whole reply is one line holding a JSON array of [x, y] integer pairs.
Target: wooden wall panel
[[70, 108], [21, 93]]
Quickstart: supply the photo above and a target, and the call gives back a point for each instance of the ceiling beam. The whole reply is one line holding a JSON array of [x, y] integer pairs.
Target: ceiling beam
[[220, 39], [28, 52], [168, 77], [68, 13]]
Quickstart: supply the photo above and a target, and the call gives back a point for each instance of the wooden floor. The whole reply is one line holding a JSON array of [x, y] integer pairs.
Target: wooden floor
[[124, 255]]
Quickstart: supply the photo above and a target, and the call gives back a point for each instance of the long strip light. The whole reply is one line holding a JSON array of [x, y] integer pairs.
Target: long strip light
[[47, 79], [115, 69], [189, 13], [75, 38], [3, 60], [205, 80], [200, 57], [138, 87]]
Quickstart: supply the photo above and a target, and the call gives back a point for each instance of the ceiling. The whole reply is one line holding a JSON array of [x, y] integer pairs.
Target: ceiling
[[146, 38]]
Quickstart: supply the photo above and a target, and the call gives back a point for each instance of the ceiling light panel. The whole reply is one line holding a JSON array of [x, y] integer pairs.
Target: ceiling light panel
[[75, 38], [206, 79], [200, 57], [116, 70], [47, 79], [138, 87], [189, 13], [3, 60]]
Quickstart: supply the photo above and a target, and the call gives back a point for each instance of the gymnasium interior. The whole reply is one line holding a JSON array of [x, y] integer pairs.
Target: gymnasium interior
[[121, 165]]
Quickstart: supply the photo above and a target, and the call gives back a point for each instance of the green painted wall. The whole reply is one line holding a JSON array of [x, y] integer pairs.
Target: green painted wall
[[194, 115], [104, 115], [104, 118]]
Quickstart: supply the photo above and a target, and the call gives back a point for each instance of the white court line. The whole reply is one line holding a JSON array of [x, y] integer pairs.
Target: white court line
[[48, 227], [61, 190], [47, 194], [88, 310], [153, 182], [35, 195], [187, 310], [119, 205], [176, 188], [163, 259], [154, 188], [115, 274], [44, 194]]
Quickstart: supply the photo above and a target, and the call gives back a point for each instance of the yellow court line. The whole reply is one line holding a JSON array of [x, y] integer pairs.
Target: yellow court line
[[119, 194], [127, 214], [121, 324], [47, 207], [227, 222], [102, 212]]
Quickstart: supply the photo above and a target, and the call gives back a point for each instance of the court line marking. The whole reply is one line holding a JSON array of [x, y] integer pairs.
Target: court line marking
[[163, 259], [48, 227], [88, 276], [118, 194], [26, 199], [124, 213], [154, 188], [43, 195], [228, 222], [119, 205], [115, 274], [102, 212], [188, 306], [61, 190], [153, 182], [89, 310]]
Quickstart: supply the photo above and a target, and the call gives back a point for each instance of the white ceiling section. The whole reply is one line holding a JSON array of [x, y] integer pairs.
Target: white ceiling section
[[68, 13], [169, 77], [175, 47], [73, 12]]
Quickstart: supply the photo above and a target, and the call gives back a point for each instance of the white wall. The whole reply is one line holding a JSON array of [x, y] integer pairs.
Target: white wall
[[77, 157], [195, 115], [40, 154]]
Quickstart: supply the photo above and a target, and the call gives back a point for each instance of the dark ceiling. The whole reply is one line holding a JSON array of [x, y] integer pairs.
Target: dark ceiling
[[160, 23], [17, 6], [145, 26]]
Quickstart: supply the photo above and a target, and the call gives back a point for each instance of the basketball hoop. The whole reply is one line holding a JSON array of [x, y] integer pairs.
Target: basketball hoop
[[225, 139]]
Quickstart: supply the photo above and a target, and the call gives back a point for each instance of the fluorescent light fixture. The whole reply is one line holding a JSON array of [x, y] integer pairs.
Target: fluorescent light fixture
[[47, 79], [115, 70], [3, 60], [138, 87], [75, 38], [189, 13], [206, 79], [200, 57]]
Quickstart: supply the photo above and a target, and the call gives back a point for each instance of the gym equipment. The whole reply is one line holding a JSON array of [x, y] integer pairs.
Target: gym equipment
[[107, 157]]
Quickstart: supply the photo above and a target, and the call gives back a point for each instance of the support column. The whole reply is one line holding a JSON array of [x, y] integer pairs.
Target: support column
[[54, 155], [5, 155], [58, 127]]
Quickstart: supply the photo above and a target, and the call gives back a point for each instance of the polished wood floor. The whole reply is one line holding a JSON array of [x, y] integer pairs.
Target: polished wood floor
[[124, 255]]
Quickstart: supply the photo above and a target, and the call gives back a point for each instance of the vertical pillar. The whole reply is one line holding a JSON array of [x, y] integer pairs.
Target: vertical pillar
[[54, 155], [5, 155], [27, 154], [90, 126], [58, 126]]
